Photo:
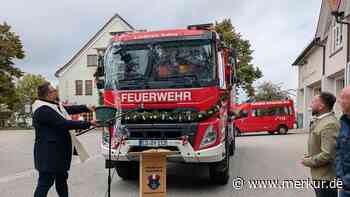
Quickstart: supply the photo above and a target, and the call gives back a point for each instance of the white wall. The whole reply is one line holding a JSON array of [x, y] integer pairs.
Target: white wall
[[311, 72], [78, 70]]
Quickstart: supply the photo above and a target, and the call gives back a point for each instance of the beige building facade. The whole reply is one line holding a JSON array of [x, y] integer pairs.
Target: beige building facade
[[324, 64], [76, 77]]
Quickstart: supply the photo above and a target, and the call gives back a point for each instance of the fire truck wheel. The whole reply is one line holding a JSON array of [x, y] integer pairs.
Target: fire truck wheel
[[219, 172], [232, 147], [282, 130], [237, 132], [127, 170]]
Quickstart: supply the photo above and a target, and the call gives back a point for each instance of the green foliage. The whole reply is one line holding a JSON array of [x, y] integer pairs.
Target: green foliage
[[27, 88], [155, 116], [268, 91], [10, 49], [8, 95], [246, 71]]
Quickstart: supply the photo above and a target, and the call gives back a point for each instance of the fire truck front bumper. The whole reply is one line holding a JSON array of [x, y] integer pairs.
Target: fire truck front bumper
[[186, 152]]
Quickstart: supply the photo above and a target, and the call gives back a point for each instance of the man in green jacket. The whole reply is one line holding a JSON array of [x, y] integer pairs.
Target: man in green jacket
[[324, 129]]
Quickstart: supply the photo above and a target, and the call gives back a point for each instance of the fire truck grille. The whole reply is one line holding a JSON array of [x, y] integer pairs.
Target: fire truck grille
[[162, 131]]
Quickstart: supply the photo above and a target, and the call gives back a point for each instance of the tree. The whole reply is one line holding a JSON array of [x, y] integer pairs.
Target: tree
[[27, 89], [11, 49], [268, 91], [246, 71]]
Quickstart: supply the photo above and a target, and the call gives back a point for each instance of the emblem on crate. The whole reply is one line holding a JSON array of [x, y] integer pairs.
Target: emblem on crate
[[153, 181]]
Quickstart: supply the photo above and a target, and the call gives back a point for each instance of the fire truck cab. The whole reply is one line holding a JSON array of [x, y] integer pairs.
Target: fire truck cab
[[180, 81]]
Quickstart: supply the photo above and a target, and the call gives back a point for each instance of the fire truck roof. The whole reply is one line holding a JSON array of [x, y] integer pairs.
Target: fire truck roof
[[158, 34]]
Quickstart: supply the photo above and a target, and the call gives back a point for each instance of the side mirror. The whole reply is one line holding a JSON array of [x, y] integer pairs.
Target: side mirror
[[221, 43], [235, 80], [233, 57], [100, 71], [100, 84], [221, 46]]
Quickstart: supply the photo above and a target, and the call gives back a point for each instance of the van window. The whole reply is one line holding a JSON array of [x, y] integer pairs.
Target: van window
[[261, 112], [243, 114], [254, 113], [280, 111], [275, 111]]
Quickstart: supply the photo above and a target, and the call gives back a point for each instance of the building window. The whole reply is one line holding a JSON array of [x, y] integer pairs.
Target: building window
[[337, 37], [87, 116], [88, 87], [92, 60], [339, 85], [347, 74], [78, 87]]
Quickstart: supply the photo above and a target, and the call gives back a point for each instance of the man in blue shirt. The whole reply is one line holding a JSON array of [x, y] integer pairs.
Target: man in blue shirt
[[343, 144]]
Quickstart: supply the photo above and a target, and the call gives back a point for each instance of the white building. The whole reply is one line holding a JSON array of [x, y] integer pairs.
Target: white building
[[76, 80], [322, 64]]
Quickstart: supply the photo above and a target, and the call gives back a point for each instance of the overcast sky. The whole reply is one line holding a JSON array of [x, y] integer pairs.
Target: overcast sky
[[52, 31]]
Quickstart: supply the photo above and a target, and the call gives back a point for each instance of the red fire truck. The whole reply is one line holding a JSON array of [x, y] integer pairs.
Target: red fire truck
[[181, 83], [270, 116]]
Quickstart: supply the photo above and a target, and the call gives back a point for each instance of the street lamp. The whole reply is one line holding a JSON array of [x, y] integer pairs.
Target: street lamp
[[339, 15]]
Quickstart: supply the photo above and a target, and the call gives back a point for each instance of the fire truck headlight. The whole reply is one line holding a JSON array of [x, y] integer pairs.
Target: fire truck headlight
[[209, 138]]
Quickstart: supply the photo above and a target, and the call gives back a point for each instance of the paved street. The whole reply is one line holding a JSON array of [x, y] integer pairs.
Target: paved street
[[259, 156]]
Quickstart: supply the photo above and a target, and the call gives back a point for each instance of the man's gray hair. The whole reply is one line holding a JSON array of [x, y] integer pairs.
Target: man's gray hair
[[43, 90]]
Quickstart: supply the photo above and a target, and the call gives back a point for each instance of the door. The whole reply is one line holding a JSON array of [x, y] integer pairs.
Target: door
[[257, 119], [242, 121], [265, 119]]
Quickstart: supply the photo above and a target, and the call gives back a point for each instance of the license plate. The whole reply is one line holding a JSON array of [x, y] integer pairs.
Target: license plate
[[153, 143]]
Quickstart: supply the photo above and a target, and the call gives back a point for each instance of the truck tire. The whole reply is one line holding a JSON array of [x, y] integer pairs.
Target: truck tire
[[232, 147], [127, 170], [219, 172], [237, 132], [282, 130]]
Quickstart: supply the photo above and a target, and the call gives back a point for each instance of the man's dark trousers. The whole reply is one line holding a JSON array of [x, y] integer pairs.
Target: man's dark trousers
[[47, 179]]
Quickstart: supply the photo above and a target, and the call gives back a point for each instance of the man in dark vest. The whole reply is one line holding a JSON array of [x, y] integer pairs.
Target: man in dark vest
[[53, 143]]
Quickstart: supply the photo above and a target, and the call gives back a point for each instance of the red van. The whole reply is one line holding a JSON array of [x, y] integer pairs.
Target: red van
[[270, 116]]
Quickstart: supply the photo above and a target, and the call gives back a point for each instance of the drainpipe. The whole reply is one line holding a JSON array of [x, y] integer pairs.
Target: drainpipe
[[347, 69], [348, 43]]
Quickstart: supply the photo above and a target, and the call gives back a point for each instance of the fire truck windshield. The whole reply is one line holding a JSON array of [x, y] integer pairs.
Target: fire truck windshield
[[161, 64]]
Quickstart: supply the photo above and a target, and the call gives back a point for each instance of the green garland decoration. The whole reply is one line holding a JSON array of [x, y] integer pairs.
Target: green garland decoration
[[182, 116]]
